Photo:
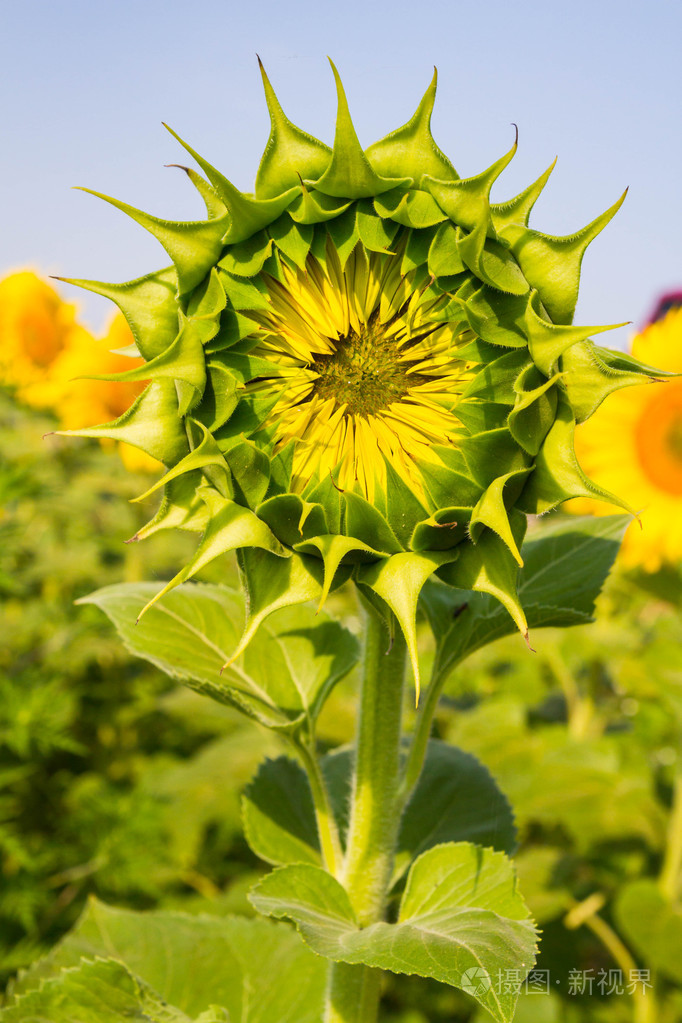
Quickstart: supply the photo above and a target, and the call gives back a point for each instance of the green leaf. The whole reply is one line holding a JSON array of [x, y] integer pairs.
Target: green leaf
[[279, 816], [456, 800], [565, 566], [652, 926], [195, 962], [278, 812], [197, 793], [272, 583], [460, 912], [300, 656], [282, 679], [103, 991]]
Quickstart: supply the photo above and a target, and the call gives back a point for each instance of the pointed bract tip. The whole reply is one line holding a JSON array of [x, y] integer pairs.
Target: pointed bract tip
[[132, 539], [516, 129], [433, 84], [337, 77], [532, 650], [51, 433]]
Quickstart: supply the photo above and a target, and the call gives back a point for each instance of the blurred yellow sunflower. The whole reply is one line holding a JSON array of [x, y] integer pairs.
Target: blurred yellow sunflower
[[77, 400], [35, 328], [633, 445], [43, 349]]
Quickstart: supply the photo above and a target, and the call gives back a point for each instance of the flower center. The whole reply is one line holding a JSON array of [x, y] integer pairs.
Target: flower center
[[363, 372], [368, 375], [659, 438]]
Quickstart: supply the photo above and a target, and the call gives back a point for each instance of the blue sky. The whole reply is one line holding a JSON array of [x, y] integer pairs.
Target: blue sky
[[87, 85]]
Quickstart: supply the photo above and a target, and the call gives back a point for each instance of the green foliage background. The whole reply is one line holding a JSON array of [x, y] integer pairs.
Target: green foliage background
[[117, 782]]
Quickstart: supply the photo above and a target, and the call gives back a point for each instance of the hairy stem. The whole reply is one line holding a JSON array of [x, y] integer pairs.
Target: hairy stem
[[422, 734], [330, 843], [353, 991], [352, 994]]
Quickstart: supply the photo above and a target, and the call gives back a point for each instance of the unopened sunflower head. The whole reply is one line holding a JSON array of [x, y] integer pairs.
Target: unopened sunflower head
[[364, 369]]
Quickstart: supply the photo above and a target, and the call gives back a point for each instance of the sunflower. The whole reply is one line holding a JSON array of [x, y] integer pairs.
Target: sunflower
[[36, 326], [365, 369], [77, 399], [634, 445], [44, 353], [365, 378]]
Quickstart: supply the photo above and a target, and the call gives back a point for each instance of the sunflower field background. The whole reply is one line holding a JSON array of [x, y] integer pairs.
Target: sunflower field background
[[114, 781], [118, 784]]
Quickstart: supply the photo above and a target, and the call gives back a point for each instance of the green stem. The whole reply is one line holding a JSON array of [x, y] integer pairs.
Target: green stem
[[579, 708], [373, 827], [644, 1003], [352, 994], [422, 734], [670, 879], [353, 991], [645, 1010], [330, 843]]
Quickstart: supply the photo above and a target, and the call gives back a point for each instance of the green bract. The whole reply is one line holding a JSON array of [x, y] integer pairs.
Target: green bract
[[364, 369]]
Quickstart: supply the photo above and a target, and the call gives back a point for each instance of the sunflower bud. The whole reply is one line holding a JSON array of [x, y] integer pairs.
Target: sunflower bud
[[363, 370]]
